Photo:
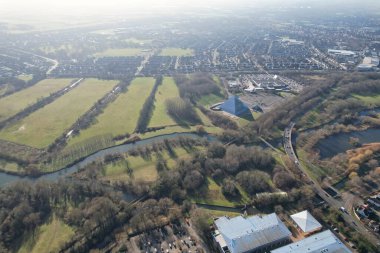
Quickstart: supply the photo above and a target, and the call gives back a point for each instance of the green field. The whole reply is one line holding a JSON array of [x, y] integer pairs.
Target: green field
[[213, 196], [18, 101], [114, 52], [49, 237], [172, 51], [143, 169], [120, 117], [168, 89], [42, 127], [25, 77], [373, 100]]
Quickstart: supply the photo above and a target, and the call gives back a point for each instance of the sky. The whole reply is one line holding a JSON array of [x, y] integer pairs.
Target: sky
[[44, 10]]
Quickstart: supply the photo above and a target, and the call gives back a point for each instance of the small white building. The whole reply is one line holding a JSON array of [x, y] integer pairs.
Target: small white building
[[305, 222]]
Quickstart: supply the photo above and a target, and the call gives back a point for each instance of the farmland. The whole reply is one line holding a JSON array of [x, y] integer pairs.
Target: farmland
[[120, 117], [16, 102], [45, 125], [115, 52], [48, 238], [177, 52]]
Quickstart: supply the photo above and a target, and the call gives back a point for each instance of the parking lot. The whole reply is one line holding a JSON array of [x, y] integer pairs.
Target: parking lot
[[174, 238]]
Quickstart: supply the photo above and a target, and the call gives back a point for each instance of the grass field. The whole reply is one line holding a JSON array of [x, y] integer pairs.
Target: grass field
[[168, 89], [48, 237], [42, 127], [121, 52], [369, 100], [172, 51], [143, 169], [121, 116], [213, 196], [25, 77], [9, 166], [18, 101]]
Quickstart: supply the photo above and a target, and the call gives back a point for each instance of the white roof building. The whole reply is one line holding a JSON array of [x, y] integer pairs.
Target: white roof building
[[323, 242], [239, 234], [306, 222]]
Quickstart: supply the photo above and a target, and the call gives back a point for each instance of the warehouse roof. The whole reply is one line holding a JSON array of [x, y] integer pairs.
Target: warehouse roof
[[244, 234], [322, 242]]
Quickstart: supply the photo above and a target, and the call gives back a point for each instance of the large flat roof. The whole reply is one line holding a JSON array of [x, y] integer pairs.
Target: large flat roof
[[244, 234], [324, 241]]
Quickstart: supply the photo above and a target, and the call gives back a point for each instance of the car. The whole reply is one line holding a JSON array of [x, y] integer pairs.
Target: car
[[342, 209]]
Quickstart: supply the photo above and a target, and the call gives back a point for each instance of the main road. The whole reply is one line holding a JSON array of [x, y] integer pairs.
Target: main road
[[332, 202]]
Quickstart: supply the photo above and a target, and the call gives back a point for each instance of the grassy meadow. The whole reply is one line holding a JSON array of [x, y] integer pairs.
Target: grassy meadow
[[42, 127], [120, 116], [172, 51], [168, 89], [114, 52], [12, 104], [144, 169], [48, 238]]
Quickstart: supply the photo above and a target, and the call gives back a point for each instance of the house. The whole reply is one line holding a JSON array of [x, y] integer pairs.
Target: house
[[305, 222], [250, 234], [323, 242]]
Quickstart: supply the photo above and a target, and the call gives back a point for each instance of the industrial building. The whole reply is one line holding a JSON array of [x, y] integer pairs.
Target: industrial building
[[323, 242], [250, 234]]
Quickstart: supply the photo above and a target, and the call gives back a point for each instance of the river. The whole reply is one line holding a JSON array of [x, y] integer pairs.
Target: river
[[7, 178], [340, 143]]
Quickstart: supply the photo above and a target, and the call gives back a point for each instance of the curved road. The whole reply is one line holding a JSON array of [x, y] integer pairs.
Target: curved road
[[332, 202]]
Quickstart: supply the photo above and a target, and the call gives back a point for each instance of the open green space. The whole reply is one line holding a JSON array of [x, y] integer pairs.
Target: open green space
[[172, 51], [114, 52], [49, 237], [18, 101], [371, 100], [213, 196], [42, 127], [25, 77], [120, 117], [142, 169], [168, 89]]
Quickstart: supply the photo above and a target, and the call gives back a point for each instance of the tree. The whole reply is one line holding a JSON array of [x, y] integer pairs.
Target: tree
[[254, 181], [216, 150], [229, 188]]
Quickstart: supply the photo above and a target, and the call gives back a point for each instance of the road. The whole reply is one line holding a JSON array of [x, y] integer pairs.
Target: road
[[53, 61], [332, 202]]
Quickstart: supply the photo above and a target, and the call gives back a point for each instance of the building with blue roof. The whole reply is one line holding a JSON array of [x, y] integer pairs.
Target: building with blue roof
[[235, 106], [250, 234], [323, 242]]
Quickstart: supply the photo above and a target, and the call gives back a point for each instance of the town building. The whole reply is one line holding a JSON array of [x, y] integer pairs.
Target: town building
[[250, 234], [323, 242], [235, 106], [306, 223]]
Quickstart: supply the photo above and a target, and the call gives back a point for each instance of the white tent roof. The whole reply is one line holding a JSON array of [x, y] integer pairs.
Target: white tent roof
[[306, 221]]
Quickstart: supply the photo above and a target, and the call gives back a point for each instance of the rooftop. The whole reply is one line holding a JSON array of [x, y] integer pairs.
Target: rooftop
[[306, 222], [318, 243], [244, 234]]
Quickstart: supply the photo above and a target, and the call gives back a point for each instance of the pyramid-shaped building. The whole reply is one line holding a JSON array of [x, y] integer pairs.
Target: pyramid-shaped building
[[235, 106]]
